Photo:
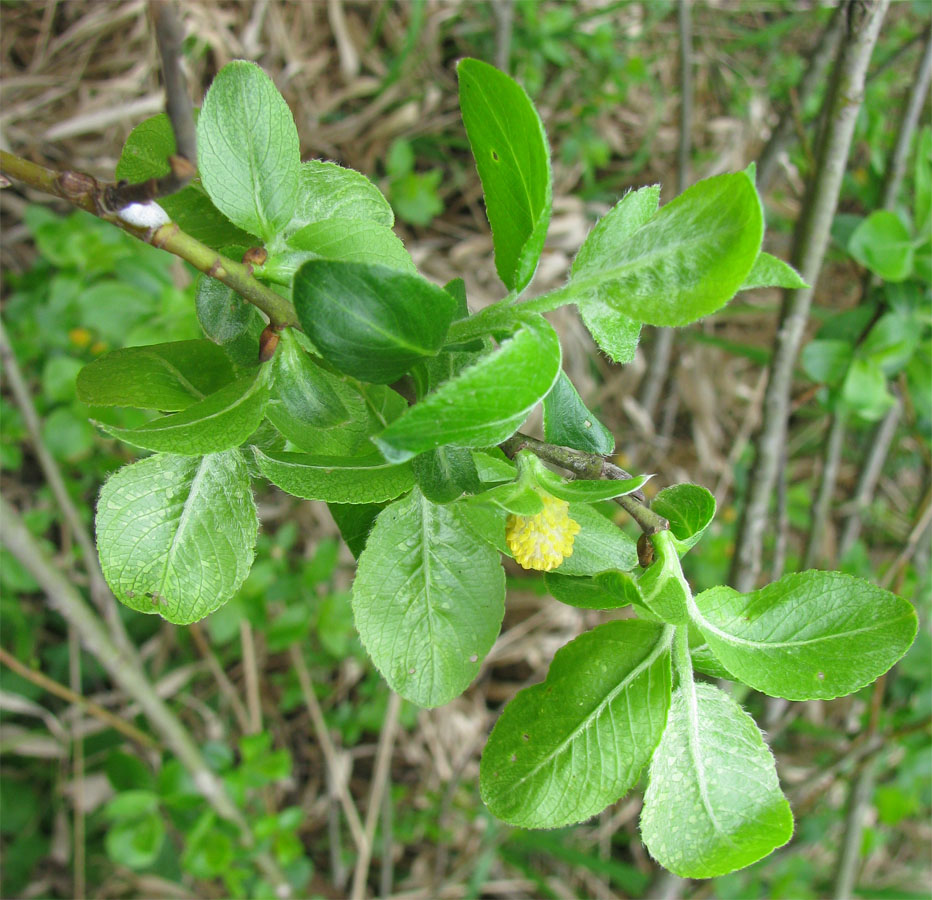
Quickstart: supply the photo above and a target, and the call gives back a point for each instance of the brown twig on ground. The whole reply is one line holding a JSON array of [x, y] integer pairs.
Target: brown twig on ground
[[862, 25], [227, 688]]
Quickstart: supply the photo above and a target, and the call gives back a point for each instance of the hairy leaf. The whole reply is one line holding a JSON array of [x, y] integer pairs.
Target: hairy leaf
[[329, 191], [769, 271], [354, 240]]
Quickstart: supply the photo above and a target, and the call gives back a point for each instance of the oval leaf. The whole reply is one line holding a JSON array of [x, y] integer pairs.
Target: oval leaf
[[353, 240], [473, 409], [336, 479], [176, 535], [610, 590], [565, 749], [599, 546], [809, 636], [689, 508], [584, 490], [569, 423], [329, 191], [161, 376], [221, 421], [428, 599], [247, 150], [510, 148], [713, 803], [369, 321]]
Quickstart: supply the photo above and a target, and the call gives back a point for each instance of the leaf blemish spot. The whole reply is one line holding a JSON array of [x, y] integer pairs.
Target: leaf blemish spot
[[514, 757], [494, 156], [474, 658], [527, 737], [820, 675], [411, 671]]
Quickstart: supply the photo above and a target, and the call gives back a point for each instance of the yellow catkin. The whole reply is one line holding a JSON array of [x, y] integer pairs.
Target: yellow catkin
[[543, 541]]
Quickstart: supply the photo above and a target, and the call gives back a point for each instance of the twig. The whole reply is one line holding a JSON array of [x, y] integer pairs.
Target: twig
[[782, 522], [327, 748], [100, 591], [819, 59], [504, 22], [589, 465], [77, 762], [387, 868], [380, 778], [913, 542], [66, 600], [59, 690], [831, 461], [880, 443], [227, 688], [251, 674], [862, 25], [88, 194]]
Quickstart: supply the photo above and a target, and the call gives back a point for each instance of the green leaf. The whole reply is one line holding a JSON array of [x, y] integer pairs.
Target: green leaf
[[136, 843], [329, 191], [892, 341], [176, 534], [686, 262], [247, 150], [145, 155], [355, 521], [615, 334], [663, 589], [221, 312], [713, 802], [864, 390], [689, 508], [599, 546], [445, 474], [307, 392], [826, 361], [220, 421], [131, 804], [569, 423], [703, 659], [511, 152], [609, 590], [769, 271], [162, 376], [883, 244], [589, 491], [354, 240], [415, 198], [472, 409], [565, 749], [811, 635], [369, 321], [336, 479], [428, 600]]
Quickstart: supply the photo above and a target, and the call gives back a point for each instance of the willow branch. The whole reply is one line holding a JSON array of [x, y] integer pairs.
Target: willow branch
[[85, 192], [591, 466]]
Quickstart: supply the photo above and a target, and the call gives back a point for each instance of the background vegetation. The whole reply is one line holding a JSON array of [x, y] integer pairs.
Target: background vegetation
[[264, 682]]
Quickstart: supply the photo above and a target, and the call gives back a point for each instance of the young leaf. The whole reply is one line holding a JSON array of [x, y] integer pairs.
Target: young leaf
[[686, 262], [883, 244], [769, 271], [145, 155], [865, 391], [354, 240], [510, 148], [428, 600], [337, 479], [369, 321], [307, 392], [220, 421], [445, 474], [809, 636], [599, 546], [472, 409], [221, 312], [161, 376], [609, 590], [247, 150], [565, 749], [826, 361], [328, 191], [176, 534], [689, 508], [568, 423], [590, 491], [615, 334], [713, 802], [663, 589]]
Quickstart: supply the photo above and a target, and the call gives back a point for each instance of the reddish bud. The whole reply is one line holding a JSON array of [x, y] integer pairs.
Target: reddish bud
[[268, 341], [255, 256], [645, 551]]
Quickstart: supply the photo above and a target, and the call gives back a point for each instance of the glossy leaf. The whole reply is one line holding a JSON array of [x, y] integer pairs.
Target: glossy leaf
[[472, 409], [769, 271], [355, 521], [713, 802], [176, 534], [247, 150], [308, 393], [811, 635], [354, 240], [367, 479], [220, 421], [686, 262], [510, 148], [569, 423], [428, 600], [565, 749], [369, 321], [329, 191], [689, 508], [161, 376]]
